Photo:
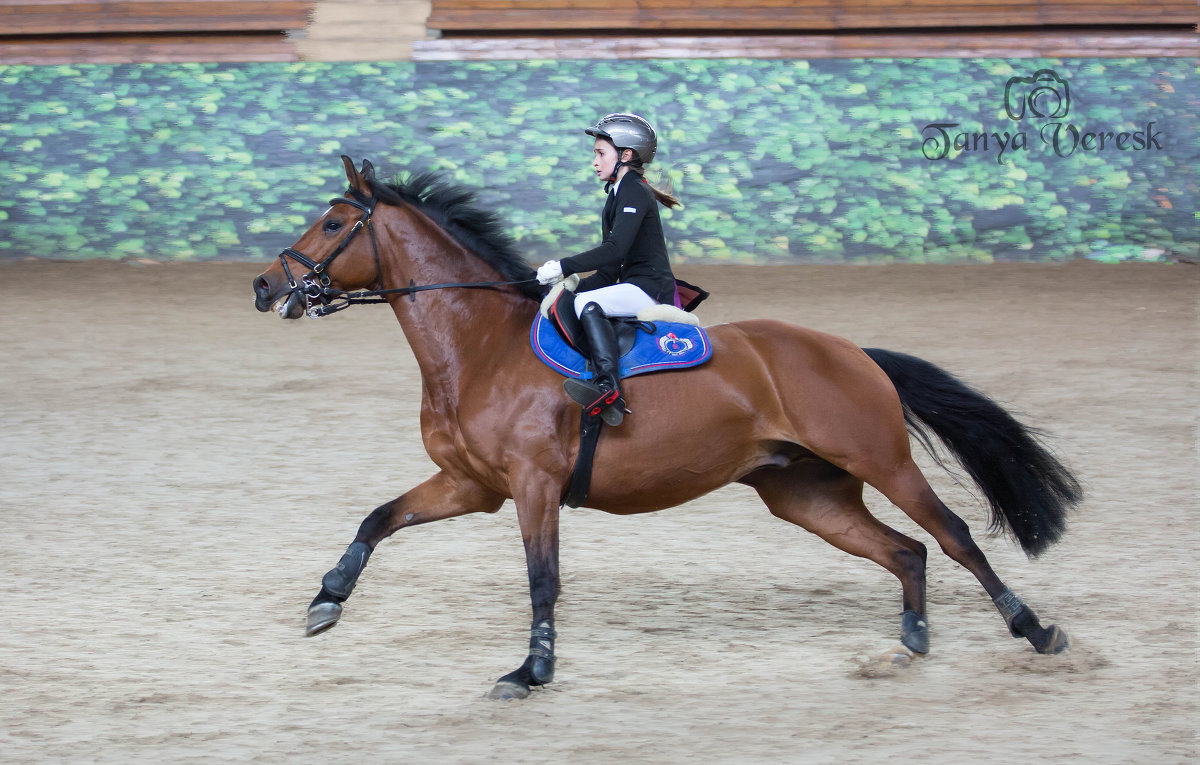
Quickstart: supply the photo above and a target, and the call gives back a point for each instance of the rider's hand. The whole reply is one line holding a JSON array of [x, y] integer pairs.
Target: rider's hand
[[550, 272]]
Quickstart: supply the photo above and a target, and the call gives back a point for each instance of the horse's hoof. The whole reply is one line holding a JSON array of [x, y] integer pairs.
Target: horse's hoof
[[322, 616], [507, 690], [886, 664], [1054, 641], [897, 658]]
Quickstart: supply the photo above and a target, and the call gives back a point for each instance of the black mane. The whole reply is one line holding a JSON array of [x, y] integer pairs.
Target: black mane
[[454, 209]]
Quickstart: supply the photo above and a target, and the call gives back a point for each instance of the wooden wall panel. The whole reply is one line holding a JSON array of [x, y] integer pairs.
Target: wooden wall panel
[[127, 31], [57, 17], [493, 16], [999, 44]]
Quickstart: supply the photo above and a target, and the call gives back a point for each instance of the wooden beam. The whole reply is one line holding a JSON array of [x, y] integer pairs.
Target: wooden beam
[[1112, 44], [490, 16], [136, 49], [58, 17]]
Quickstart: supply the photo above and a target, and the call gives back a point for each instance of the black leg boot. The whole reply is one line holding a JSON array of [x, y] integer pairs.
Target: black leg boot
[[601, 395]]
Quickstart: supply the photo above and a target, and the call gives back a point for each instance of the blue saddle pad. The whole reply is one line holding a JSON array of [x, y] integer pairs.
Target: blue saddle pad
[[671, 346]]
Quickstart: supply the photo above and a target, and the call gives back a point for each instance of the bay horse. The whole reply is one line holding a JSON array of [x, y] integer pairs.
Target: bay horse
[[803, 417]]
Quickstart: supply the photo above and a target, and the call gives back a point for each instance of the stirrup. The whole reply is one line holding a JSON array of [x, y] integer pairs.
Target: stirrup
[[608, 404]]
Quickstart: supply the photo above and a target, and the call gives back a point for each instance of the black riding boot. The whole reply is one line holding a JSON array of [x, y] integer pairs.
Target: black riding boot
[[601, 395]]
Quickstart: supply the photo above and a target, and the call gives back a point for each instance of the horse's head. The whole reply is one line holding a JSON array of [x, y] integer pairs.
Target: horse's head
[[337, 253]]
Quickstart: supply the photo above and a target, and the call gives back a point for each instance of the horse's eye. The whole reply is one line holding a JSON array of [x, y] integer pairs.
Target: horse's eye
[[332, 225]]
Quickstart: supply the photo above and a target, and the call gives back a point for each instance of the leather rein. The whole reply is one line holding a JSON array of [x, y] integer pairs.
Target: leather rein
[[321, 298]]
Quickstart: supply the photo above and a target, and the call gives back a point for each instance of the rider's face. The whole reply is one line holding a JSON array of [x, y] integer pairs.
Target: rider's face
[[604, 158]]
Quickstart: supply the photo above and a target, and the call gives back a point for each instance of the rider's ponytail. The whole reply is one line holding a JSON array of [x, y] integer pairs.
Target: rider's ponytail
[[664, 197]]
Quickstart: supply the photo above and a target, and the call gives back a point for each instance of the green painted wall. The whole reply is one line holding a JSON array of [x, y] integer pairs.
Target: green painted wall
[[776, 161]]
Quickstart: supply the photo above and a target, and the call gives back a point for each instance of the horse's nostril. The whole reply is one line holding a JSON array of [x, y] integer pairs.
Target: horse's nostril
[[262, 293]]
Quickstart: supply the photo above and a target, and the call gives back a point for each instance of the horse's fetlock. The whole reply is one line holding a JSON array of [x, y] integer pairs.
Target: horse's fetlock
[[1018, 616], [1026, 624], [914, 631], [340, 580], [541, 671], [541, 651]]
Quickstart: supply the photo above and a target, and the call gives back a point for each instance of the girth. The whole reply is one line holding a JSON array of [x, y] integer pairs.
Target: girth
[[570, 329]]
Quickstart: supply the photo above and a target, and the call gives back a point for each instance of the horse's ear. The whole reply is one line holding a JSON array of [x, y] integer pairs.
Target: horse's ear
[[356, 180], [368, 170]]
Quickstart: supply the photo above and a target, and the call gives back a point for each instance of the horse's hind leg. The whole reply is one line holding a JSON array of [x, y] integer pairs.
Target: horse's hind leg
[[909, 491], [828, 502], [442, 496]]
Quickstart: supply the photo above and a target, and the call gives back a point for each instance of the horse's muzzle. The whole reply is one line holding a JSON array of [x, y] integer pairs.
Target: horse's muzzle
[[262, 293], [267, 295]]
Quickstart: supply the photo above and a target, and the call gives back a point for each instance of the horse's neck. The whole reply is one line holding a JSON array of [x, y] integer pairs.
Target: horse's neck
[[453, 332]]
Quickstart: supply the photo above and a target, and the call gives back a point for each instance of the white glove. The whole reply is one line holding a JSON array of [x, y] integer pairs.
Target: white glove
[[550, 272]]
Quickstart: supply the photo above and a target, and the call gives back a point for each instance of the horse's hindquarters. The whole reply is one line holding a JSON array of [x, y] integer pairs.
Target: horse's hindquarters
[[772, 394]]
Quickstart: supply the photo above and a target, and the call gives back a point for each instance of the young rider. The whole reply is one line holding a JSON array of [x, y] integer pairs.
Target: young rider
[[631, 267]]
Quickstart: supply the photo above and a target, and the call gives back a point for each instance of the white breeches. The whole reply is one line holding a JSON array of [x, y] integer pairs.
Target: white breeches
[[616, 300]]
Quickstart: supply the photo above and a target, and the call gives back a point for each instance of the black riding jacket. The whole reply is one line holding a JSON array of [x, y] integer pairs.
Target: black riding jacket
[[634, 249]]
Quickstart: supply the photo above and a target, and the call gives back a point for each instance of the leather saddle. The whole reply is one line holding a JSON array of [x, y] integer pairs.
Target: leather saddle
[[570, 329]]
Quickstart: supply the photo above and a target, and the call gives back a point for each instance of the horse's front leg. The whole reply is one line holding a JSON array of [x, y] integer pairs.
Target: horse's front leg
[[442, 496], [538, 516]]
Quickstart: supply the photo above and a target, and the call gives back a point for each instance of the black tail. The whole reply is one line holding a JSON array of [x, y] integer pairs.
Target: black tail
[[1028, 489]]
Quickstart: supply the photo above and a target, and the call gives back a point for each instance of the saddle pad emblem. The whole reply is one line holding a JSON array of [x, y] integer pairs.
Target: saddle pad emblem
[[672, 346]]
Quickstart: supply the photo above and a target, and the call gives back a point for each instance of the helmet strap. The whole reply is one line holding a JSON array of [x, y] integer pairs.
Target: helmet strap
[[613, 178], [616, 169]]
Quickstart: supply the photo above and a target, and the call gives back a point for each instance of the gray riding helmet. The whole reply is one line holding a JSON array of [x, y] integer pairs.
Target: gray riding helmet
[[628, 131]]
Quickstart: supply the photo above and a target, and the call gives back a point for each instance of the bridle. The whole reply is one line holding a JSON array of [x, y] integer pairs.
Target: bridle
[[321, 298]]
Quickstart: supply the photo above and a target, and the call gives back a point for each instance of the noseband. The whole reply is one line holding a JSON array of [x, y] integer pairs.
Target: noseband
[[321, 298]]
